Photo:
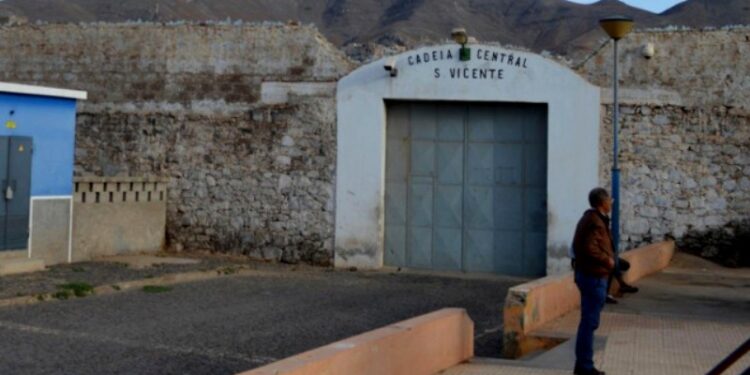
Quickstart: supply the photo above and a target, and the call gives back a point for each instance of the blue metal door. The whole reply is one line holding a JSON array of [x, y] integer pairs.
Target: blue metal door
[[466, 187], [15, 175]]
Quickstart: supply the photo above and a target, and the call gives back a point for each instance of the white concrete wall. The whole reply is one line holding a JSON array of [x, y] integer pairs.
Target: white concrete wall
[[573, 120]]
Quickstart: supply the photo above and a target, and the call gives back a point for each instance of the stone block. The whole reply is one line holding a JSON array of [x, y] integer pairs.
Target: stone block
[[287, 141], [661, 120], [284, 182], [680, 231], [283, 161], [279, 92], [715, 221], [649, 211], [697, 202], [636, 226], [718, 204], [708, 181], [690, 183]]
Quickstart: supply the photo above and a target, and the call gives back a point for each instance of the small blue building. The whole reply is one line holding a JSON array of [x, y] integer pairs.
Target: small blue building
[[37, 145]]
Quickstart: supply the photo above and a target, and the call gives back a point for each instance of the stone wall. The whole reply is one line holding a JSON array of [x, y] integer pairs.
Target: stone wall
[[241, 119], [216, 67], [250, 162], [692, 67], [685, 136]]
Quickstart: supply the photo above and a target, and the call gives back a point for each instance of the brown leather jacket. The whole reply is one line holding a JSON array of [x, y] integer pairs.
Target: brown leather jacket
[[592, 245]]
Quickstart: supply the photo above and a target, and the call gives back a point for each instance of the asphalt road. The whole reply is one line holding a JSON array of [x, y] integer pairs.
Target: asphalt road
[[232, 324]]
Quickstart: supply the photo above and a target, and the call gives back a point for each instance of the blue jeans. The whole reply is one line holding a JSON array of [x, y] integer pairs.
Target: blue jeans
[[593, 295]]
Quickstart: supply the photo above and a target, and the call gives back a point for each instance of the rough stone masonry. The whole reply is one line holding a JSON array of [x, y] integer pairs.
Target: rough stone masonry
[[685, 138], [239, 118]]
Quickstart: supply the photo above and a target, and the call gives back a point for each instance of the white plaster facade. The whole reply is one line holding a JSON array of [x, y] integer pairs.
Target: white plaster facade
[[493, 74]]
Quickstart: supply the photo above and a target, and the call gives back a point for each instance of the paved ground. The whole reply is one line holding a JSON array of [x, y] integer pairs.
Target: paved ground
[[684, 321], [111, 272], [233, 323]]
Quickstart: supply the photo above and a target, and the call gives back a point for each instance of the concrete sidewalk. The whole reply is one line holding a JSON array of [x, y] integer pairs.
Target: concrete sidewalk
[[684, 320]]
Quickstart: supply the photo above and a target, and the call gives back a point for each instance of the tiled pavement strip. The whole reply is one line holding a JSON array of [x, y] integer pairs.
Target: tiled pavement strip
[[642, 345], [687, 340]]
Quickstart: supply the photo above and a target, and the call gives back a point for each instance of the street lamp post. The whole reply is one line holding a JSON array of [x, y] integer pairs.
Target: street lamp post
[[616, 27]]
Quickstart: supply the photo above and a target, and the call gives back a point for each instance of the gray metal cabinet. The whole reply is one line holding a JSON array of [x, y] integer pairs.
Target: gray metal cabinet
[[15, 182], [466, 187]]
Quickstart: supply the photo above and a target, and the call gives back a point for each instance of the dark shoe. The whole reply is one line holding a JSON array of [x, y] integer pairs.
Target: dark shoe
[[611, 300], [624, 265], [593, 371], [625, 288]]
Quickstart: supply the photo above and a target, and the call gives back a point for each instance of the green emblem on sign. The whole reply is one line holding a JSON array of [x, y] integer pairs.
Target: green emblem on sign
[[10, 124]]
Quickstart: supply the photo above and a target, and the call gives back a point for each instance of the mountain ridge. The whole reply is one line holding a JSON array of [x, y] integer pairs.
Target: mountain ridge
[[558, 26]]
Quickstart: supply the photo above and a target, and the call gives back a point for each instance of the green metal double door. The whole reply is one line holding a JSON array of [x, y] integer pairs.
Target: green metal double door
[[466, 187], [15, 185]]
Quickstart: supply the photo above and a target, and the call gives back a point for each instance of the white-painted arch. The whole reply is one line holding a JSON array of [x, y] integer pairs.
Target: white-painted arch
[[573, 131]]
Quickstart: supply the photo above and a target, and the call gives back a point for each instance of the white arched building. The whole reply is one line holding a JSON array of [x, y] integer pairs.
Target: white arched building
[[477, 166]]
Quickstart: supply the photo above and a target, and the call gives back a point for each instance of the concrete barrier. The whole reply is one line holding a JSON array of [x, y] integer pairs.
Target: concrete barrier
[[648, 260], [424, 345], [531, 305]]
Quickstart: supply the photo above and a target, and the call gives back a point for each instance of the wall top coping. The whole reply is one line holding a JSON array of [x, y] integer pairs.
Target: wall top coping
[[16, 88], [97, 179]]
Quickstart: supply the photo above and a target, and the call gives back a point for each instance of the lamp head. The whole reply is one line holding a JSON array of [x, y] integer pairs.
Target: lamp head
[[617, 26], [459, 35]]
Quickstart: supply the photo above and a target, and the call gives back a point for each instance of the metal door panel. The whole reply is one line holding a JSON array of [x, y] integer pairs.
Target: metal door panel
[[481, 123], [423, 121], [395, 245], [466, 187], [397, 154], [397, 167], [420, 247], [397, 125], [4, 147], [450, 163], [450, 123], [395, 203], [449, 206], [536, 164], [508, 125], [536, 210], [448, 246], [508, 208], [420, 205], [479, 250], [19, 179], [479, 164], [478, 208], [535, 128], [509, 249], [422, 158], [508, 164]]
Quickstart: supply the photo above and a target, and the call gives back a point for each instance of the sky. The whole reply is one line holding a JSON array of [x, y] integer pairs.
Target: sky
[[656, 6]]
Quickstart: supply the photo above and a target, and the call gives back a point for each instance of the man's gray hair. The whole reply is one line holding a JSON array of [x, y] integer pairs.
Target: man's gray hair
[[597, 197]]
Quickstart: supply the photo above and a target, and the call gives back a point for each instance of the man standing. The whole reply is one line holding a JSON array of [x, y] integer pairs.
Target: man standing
[[594, 262]]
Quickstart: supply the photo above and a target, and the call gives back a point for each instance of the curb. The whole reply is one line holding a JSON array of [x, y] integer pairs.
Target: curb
[[118, 287]]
